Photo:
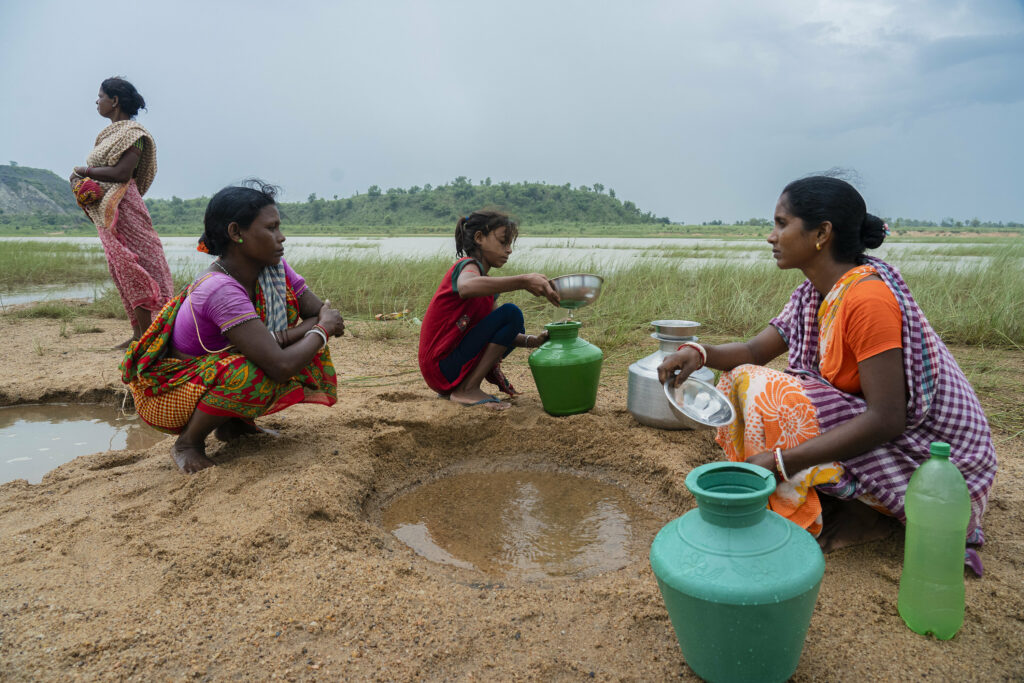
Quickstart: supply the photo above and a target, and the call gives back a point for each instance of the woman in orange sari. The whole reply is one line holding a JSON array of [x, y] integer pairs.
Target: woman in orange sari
[[248, 338], [869, 384]]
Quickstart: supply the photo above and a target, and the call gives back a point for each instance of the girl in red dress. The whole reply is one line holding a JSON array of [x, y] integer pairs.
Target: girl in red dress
[[465, 334]]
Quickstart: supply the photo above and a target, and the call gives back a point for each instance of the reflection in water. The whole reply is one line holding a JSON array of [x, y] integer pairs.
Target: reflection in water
[[34, 439], [525, 524]]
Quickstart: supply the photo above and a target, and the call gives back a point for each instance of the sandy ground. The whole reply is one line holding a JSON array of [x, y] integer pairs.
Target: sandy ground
[[274, 565]]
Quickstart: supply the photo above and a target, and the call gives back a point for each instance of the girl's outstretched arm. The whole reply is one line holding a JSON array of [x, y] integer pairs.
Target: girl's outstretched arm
[[472, 283]]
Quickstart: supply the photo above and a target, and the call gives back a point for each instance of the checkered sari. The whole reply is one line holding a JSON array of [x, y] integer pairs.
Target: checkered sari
[[941, 406]]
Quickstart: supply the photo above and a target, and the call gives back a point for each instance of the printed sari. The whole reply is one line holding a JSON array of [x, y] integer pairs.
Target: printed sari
[[783, 409], [168, 390], [135, 256]]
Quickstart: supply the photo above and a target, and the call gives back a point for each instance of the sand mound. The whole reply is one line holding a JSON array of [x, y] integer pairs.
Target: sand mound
[[274, 563]]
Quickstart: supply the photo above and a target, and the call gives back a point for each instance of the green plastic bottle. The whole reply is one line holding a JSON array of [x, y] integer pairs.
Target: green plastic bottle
[[938, 507]]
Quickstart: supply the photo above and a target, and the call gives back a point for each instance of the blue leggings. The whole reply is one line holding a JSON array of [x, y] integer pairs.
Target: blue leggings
[[501, 326]]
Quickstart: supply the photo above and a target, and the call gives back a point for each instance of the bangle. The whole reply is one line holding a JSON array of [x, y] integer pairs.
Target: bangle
[[780, 465], [318, 331], [526, 341], [700, 349], [322, 329]]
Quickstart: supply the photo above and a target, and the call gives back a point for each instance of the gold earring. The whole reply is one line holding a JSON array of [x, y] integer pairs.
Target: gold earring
[[818, 246]]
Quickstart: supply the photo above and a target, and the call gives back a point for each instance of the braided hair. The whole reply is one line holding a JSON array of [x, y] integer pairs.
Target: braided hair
[[484, 222]]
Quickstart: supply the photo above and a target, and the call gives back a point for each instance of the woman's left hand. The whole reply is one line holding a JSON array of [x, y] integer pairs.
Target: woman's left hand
[[81, 171]]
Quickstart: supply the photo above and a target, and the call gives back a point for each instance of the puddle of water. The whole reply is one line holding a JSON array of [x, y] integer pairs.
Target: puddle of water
[[35, 439], [528, 525]]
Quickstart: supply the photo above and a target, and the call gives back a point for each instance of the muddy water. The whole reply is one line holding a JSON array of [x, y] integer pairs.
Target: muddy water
[[34, 439], [528, 525]]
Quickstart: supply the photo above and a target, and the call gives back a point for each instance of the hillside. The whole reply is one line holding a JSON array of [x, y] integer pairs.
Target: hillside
[[440, 205], [35, 192]]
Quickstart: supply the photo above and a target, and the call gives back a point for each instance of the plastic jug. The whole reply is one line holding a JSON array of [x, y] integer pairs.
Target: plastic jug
[[566, 370], [938, 508], [739, 581]]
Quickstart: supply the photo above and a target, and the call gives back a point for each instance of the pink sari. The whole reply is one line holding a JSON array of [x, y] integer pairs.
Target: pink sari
[[135, 256]]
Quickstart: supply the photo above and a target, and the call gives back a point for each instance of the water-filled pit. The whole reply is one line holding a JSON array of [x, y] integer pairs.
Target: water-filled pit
[[35, 439], [522, 524]]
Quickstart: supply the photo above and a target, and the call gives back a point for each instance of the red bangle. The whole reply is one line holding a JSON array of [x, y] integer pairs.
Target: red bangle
[[700, 350], [322, 329]]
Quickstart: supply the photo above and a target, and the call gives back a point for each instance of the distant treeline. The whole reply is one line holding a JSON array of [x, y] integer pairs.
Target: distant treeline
[[438, 205]]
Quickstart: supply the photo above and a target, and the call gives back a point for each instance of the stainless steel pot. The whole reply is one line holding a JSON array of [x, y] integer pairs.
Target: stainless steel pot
[[645, 398]]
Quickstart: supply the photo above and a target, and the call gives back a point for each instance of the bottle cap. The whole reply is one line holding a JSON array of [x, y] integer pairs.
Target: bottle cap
[[939, 449]]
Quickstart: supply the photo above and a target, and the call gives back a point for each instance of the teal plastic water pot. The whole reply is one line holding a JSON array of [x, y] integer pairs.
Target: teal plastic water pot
[[739, 581], [566, 370]]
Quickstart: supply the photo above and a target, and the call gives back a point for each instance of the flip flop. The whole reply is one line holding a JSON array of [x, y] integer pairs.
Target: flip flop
[[489, 399]]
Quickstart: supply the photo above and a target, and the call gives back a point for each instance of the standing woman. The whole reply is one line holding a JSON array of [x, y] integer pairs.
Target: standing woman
[[109, 188]]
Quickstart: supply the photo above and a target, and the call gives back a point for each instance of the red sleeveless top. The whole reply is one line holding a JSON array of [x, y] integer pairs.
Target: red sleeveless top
[[446, 321]]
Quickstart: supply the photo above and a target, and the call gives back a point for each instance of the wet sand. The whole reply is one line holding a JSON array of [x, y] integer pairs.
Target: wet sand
[[274, 564]]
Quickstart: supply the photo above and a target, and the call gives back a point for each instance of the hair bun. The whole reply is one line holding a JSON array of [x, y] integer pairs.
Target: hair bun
[[872, 231]]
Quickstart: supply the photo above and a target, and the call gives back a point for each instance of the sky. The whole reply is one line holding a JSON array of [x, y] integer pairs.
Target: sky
[[693, 110]]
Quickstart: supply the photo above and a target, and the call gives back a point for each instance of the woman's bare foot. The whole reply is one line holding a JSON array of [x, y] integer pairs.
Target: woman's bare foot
[[236, 427], [189, 458], [851, 522], [477, 397]]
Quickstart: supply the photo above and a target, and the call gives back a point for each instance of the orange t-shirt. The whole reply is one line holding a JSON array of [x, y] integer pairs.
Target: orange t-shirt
[[868, 322]]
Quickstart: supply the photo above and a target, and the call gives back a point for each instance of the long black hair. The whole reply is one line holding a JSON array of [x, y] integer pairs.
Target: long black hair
[[234, 204], [820, 198], [128, 98], [484, 222]]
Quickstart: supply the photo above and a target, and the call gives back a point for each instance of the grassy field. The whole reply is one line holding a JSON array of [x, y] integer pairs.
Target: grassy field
[[23, 264]]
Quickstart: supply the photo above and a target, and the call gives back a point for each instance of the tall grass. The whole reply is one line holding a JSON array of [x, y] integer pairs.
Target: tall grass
[[980, 306], [28, 263]]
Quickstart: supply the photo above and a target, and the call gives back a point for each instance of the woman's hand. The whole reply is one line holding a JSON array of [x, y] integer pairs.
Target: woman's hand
[[331, 320], [687, 361], [766, 460], [80, 171], [539, 285]]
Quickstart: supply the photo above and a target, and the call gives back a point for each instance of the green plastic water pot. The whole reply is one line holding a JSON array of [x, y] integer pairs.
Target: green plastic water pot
[[566, 370], [739, 581]]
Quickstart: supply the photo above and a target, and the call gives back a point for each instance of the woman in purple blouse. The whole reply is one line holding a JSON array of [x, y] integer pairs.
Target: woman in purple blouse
[[246, 339]]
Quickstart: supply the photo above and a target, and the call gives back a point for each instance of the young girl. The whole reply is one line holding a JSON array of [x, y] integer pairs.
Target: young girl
[[465, 334]]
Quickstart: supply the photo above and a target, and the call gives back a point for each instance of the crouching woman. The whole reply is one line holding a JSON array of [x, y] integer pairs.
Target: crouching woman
[[246, 339]]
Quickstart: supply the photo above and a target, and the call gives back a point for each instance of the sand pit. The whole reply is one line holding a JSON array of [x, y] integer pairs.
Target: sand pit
[[275, 563]]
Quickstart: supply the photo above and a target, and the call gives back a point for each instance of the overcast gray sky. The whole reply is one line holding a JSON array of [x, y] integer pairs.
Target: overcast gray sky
[[694, 110]]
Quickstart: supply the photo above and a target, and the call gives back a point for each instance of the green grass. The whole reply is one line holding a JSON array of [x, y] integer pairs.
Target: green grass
[[984, 305], [23, 264]]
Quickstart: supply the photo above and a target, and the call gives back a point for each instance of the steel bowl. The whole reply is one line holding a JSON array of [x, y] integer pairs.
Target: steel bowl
[[577, 290], [675, 329], [699, 404]]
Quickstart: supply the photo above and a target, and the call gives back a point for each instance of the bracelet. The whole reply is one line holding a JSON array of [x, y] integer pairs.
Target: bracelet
[[700, 349], [322, 329], [526, 341], [779, 465], [318, 331]]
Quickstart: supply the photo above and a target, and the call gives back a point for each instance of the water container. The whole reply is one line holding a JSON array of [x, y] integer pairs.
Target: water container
[[938, 508], [566, 370], [739, 581]]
